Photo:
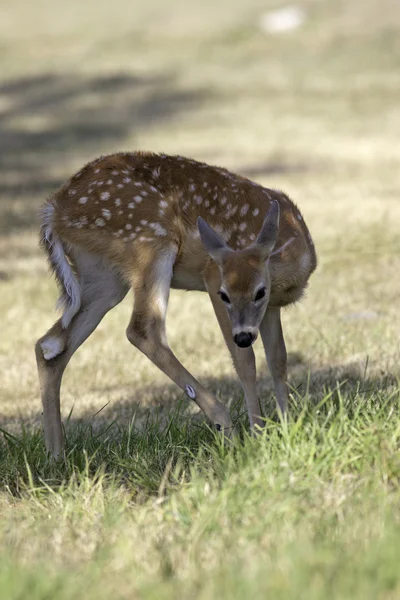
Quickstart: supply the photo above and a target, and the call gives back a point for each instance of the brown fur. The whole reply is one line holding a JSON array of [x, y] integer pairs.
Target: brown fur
[[130, 219]]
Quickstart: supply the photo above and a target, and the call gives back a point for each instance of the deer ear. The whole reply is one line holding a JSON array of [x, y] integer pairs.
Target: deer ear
[[212, 242], [269, 231]]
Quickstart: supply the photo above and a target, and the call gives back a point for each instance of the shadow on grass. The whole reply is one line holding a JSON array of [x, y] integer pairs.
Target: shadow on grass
[[305, 384], [277, 167], [52, 121], [141, 404], [141, 446], [45, 120]]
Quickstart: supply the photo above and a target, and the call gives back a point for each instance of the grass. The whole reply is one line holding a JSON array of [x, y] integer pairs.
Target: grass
[[307, 509], [150, 503]]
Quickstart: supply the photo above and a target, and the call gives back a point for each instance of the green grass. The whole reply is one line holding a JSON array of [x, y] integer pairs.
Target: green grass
[[150, 503], [306, 509]]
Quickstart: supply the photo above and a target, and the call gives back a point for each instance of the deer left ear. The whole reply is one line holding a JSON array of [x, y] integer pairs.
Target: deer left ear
[[212, 242], [269, 231]]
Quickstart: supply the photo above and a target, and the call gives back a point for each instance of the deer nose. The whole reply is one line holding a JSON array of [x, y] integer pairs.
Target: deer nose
[[244, 339]]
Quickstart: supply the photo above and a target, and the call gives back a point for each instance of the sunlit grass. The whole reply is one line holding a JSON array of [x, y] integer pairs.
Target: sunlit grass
[[150, 503]]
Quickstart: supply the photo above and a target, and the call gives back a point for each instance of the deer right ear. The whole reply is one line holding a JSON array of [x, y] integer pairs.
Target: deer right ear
[[269, 231], [212, 242]]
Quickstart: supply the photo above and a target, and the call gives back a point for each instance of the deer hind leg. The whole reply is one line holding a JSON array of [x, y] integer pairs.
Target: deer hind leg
[[102, 289], [274, 345], [146, 331], [244, 363]]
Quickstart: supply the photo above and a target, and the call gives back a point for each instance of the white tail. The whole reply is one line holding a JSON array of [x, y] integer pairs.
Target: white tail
[[70, 298], [154, 222]]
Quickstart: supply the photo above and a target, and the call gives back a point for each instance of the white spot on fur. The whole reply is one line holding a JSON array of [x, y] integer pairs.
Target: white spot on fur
[[97, 170], [192, 187], [299, 217], [198, 199], [127, 179], [244, 210], [223, 201], [120, 185], [163, 203], [71, 192], [83, 200], [242, 226], [115, 172], [144, 193], [156, 172], [109, 181], [106, 213], [100, 222], [100, 183], [159, 231], [117, 201], [104, 195], [212, 210], [153, 189], [138, 199], [255, 212], [143, 222], [52, 347], [128, 226]]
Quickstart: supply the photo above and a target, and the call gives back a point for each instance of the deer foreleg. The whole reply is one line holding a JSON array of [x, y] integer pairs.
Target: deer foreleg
[[146, 331]]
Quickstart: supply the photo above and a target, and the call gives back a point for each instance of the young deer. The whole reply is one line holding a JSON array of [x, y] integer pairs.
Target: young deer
[[152, 222]]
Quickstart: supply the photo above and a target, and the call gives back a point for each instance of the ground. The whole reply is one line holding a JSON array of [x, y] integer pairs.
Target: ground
[[150, 503]]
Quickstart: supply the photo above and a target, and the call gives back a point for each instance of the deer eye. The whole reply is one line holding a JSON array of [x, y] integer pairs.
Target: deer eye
[[260, 294], [224, 297]]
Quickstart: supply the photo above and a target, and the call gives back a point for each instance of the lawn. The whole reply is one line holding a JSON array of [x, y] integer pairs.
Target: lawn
[[150, 503]]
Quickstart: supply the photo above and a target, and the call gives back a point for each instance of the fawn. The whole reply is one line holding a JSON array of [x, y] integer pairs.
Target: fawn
[[151, 222]]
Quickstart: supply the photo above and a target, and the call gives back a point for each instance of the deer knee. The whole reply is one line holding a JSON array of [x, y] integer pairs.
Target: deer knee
[[52, 344], [145, 333], [279, 366], [137, 332]]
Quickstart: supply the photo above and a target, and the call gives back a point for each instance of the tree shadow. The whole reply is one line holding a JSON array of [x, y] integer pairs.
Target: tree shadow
[[315, 384], [276, 167], [45, 120]]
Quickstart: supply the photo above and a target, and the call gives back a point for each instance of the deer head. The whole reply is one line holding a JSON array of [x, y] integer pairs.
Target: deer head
[[245, 279]]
